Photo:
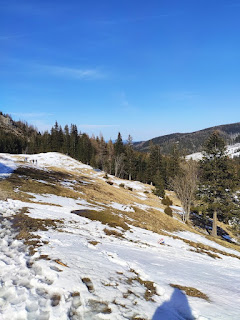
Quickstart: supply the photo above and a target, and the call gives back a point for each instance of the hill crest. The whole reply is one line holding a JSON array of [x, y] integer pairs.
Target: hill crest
[[191, 142]]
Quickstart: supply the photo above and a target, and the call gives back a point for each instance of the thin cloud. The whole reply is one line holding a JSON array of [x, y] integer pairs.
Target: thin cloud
[[125, 104], [180, 95], [74, 73], [96, 126], [31, 114]]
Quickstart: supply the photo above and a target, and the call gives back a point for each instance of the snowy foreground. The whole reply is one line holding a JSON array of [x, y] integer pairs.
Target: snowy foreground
[[80, 272]]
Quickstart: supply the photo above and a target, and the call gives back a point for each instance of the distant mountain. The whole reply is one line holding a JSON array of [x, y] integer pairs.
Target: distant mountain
[[191, 142]]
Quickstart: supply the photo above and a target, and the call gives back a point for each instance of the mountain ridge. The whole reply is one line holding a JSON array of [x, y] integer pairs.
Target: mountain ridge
[[191, 142]]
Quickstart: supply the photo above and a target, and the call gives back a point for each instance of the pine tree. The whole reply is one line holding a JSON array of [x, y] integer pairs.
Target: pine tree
[[102, 153], [217, 178], [66, 140], [173, 163], [156, 169], [159, 185], [73, 141], [118, 145]]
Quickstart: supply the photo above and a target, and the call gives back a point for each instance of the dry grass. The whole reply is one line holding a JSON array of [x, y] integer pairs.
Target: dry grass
[[25, 226], [88, 284], [55, 300], [105, 217], [150, 289], [99, 191], [210, 254], [191, 292], [75, 294], [93, 242], [25, 179], [113, 232], [61, 263], [99, 306], [203, 248]]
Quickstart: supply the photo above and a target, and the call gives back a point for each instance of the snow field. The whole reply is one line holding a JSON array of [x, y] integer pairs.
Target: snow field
[[91, 275], [110, 265]]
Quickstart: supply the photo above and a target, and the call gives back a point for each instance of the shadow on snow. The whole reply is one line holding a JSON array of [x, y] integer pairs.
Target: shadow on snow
[[177, 308], [5, 169]]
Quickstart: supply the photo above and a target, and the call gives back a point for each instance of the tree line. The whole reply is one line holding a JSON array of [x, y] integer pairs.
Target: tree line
[[207, 187], [114, 157], [210, 187]]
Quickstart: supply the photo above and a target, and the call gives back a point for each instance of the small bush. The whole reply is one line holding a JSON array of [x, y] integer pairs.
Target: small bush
[[110, 182], [166, 201], [145, 192], [122, 185], [159, 191], [106, 176], [168, 211], [130, 189]]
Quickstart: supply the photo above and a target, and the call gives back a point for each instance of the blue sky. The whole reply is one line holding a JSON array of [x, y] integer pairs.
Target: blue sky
[[144, 68]]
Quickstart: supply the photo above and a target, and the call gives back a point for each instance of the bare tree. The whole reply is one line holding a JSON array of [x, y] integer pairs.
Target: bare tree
[[184, 185], [110, 152], [119, 165]]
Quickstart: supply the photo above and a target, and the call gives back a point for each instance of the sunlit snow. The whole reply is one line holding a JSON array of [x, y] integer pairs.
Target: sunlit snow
[[88, 274]]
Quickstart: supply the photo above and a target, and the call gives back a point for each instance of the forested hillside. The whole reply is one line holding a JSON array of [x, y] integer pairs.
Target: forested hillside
[[117, 158], [191, 142]]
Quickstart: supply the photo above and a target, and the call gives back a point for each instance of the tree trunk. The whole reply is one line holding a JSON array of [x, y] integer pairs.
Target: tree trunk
[[187, 216], [214, 224], [184, 216]]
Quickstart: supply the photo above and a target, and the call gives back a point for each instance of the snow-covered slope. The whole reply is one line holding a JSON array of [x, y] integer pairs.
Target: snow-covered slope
[[84, 269], [7, 166], [232, 151]]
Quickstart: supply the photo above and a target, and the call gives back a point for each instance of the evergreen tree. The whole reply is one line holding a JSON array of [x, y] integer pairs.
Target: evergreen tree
[[156, 170], [130, 163], [173, 163], [217, 179], [102, 153], [66, 140], [118, 145], [73, 141], [159, 185], [45, 142]]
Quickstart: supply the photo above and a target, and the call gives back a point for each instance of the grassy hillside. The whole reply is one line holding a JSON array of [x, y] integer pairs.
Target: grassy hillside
[[82, 245]]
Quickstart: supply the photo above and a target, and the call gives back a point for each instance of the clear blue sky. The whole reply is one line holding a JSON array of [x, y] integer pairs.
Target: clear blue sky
[[144, 67]]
